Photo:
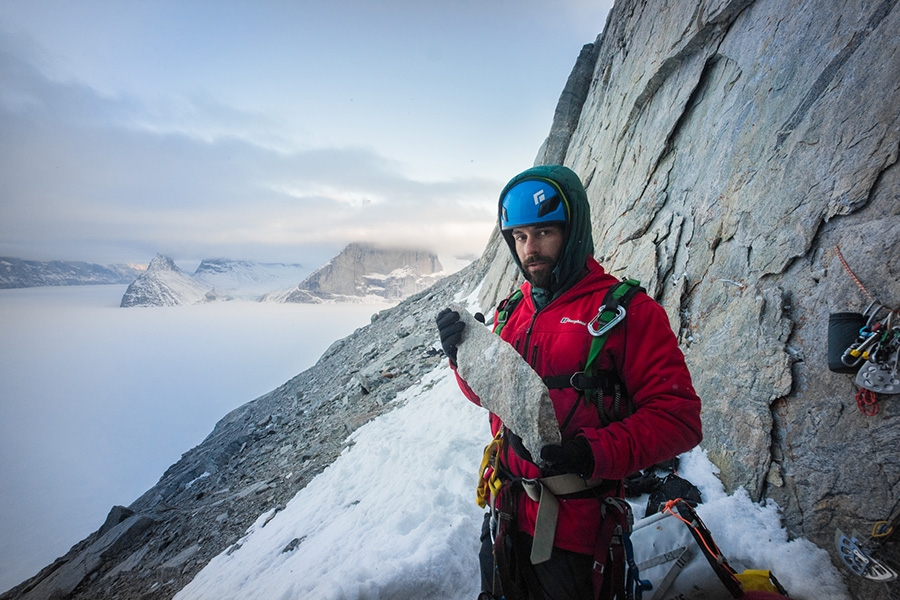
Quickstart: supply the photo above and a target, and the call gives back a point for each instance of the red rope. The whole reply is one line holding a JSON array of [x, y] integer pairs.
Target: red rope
[[867, 402]]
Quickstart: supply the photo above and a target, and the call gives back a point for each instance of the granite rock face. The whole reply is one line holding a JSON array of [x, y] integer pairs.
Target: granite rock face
[[729, 148], [507, 385]]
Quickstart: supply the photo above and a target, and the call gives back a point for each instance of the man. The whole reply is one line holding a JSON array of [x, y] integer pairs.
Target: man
[[638, 409]]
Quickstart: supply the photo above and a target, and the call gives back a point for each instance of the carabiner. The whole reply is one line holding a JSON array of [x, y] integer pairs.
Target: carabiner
[[848, 355], [594, 327]]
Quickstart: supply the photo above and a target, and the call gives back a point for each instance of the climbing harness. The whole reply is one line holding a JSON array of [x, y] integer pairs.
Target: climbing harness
[[546, 491], [614, 562], [614, 568], [505, 308], [591, 381]]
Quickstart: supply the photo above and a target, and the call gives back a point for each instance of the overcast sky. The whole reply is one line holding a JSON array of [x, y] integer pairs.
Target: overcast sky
[[271, 130]]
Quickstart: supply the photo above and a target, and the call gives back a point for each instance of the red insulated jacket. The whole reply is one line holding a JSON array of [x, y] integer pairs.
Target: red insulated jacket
[[644, 352]]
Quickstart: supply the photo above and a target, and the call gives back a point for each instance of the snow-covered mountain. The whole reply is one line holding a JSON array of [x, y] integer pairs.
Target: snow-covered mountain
[[358, 274], [164, 284], [361, 271], [240, 278], [18, 273]]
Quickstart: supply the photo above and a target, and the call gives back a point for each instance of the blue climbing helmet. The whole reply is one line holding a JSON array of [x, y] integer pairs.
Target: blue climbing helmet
[[550, 194], [533, 202]]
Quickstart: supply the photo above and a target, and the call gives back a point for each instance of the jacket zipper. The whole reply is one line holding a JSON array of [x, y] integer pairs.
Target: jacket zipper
[[528, 336]]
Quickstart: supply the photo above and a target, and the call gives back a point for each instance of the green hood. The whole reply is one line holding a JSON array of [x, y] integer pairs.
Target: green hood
[[579, 239]]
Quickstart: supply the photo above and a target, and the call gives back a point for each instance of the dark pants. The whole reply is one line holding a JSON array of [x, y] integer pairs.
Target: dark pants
[[566, 576]]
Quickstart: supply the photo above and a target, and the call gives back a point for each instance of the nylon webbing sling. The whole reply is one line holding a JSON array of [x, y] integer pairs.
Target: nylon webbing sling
[[544, 491]]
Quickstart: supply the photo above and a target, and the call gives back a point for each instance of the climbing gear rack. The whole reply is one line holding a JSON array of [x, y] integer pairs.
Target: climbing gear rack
[[875, 354]]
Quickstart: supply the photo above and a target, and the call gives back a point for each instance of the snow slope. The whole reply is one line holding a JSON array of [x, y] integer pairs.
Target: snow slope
[[395, 517], [245, 279]]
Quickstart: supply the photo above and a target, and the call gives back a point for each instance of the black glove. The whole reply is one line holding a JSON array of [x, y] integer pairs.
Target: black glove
[[450, 328], [574, 456]]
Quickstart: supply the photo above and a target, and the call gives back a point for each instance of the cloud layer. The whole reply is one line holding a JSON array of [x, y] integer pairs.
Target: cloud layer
[[271, 130], [87, 176]]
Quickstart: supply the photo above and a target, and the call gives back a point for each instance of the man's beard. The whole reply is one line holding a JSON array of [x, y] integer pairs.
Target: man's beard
[[542, 277]]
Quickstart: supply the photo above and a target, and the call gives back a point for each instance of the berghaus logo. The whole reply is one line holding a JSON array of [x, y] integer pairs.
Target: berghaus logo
[[576, 321]]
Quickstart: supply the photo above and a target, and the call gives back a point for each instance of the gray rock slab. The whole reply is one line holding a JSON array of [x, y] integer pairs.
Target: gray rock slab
[[66, 578], [507, 385]]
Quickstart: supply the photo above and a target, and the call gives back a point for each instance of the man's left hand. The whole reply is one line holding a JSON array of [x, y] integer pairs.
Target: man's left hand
[[574, 456]]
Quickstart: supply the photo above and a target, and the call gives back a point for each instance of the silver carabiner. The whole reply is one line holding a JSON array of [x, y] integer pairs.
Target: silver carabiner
[[848, 359], [596, 331]]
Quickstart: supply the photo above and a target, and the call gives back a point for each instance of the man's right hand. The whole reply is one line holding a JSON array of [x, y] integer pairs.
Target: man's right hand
[[450, 328]]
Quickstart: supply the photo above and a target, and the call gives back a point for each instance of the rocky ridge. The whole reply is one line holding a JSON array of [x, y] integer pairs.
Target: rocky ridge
[[18, 273], [359, 273]]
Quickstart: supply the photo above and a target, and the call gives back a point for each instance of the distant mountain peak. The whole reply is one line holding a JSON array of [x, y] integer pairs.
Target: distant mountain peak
[[164, 284], [163, 263], [363, 271]]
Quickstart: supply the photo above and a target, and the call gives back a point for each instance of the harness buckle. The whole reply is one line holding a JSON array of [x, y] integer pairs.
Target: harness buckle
[[572, 381], [595, 328]]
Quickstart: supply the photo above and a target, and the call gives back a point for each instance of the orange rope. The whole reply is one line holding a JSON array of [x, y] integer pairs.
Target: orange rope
[[669, 507], [840, 256]]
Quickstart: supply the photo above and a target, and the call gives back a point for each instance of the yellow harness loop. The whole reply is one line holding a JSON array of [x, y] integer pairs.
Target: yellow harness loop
[[489, 487]]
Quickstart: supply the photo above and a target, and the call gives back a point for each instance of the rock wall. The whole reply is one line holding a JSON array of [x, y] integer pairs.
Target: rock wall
[[728, 148]]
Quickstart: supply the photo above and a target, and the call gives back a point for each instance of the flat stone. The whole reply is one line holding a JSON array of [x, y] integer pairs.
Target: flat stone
[[507, 385]]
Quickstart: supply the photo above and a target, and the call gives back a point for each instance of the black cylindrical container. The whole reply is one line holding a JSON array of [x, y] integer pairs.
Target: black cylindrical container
[[843, 331]]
